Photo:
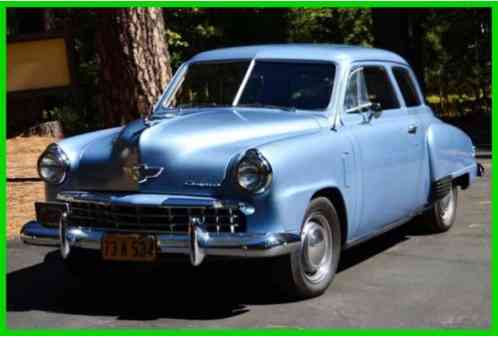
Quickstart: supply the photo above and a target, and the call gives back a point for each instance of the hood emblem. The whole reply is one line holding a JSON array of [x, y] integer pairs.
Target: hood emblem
[[140, 173]]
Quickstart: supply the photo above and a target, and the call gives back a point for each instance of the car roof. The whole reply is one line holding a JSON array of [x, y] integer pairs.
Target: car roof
[[319, 52]]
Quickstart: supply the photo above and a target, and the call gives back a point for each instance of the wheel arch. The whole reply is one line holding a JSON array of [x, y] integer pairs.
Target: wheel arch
[[463, 181], [334, 195]]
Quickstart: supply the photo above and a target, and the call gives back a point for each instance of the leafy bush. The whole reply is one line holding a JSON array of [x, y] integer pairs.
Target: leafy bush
[[73, 120]]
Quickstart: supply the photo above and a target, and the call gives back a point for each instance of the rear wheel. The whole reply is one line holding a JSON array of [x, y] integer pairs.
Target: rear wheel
[[441, 216], [308, 271]]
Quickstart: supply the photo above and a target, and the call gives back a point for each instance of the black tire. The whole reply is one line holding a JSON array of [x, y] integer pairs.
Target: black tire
[[441, 216], [291, 270]]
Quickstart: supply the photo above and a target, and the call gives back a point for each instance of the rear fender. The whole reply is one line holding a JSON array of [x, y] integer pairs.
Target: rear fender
[[451, 154]]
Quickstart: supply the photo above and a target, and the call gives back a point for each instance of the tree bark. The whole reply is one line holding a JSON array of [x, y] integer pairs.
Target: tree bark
[[133, 59]]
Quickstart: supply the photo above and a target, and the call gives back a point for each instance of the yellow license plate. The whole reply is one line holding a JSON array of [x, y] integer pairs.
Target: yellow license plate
[[129, 247]]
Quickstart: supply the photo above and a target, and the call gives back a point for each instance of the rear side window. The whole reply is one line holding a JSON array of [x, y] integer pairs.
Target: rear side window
[[407, 87]]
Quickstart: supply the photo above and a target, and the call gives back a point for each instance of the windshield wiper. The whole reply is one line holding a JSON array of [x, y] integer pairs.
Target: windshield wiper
[[204, 105], [162, 112], [171, 111], [269, 106]]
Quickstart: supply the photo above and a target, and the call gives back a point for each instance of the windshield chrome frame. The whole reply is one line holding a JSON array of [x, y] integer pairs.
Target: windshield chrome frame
[[171, 89], [243, 83]]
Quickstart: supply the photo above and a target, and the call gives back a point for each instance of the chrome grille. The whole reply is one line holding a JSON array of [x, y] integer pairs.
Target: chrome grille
[[154, 218]]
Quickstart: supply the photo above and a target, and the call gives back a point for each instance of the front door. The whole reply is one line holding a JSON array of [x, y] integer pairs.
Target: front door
[[385, 147]]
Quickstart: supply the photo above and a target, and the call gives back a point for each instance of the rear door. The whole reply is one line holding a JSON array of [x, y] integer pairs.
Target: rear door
[[413, 103], [384, 147]]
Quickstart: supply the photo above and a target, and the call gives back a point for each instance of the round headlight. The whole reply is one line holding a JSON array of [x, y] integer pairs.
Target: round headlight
[[53, 165], [254, 172]]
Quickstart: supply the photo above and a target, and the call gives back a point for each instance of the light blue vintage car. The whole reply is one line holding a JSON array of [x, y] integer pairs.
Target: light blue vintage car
[[294, 152]]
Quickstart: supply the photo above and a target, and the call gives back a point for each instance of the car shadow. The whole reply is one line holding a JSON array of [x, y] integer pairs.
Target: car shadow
[[215, 290], [368, 249]]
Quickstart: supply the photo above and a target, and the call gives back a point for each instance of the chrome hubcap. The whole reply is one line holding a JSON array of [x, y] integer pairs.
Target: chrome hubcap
[[316, 248]]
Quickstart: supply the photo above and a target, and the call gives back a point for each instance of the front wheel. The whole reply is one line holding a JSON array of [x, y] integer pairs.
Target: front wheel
[[308, 271], [441, 216]]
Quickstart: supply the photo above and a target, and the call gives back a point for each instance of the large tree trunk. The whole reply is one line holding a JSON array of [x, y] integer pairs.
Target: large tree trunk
[[134, 61]]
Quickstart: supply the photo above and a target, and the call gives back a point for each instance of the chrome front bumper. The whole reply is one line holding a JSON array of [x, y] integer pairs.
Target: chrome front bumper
[[197, 243]]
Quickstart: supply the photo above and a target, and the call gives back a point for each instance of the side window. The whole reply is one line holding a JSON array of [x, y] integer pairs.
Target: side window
[[370, 84], [356, 93], [406, 86], [379, 88]]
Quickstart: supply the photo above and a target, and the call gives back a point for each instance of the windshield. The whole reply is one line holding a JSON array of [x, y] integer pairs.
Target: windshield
[[273, 84], [209, 84]]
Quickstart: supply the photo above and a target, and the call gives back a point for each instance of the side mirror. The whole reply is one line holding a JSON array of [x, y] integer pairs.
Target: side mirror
[[375, 110], [369, 111], [375, 106]]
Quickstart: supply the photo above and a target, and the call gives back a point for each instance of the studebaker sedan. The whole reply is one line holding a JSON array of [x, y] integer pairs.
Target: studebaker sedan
[[294, 152]]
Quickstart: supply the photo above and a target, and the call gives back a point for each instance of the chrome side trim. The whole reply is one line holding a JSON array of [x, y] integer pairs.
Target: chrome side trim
[[216, 244]]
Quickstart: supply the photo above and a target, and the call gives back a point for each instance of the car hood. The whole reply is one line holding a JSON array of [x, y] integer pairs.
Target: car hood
[[192, 151]]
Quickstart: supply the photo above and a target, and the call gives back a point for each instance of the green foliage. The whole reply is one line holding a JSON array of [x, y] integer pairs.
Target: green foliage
[[457, 56], [69, 118], [329, 25], [188, 32], [79, 110], [191, 31], [76, 116], [456, 47]]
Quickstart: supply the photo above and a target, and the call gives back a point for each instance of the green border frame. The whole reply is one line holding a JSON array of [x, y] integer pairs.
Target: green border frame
[[4, 330]]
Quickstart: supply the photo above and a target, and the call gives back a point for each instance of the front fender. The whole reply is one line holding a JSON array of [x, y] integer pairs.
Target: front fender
[[451, 153], [73, 148], [302, 166]]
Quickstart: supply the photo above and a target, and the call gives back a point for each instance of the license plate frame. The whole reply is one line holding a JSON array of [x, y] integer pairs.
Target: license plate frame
[[129, 247]]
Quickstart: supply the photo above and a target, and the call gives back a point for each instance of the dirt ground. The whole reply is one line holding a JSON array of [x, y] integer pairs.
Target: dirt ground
[[22, 155]]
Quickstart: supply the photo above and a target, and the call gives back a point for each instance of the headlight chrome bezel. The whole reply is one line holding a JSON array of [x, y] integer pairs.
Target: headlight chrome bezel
[[58, 154], [255, 157]]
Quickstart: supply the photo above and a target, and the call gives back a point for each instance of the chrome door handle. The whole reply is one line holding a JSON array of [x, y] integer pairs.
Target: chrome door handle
[[412, 129]]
